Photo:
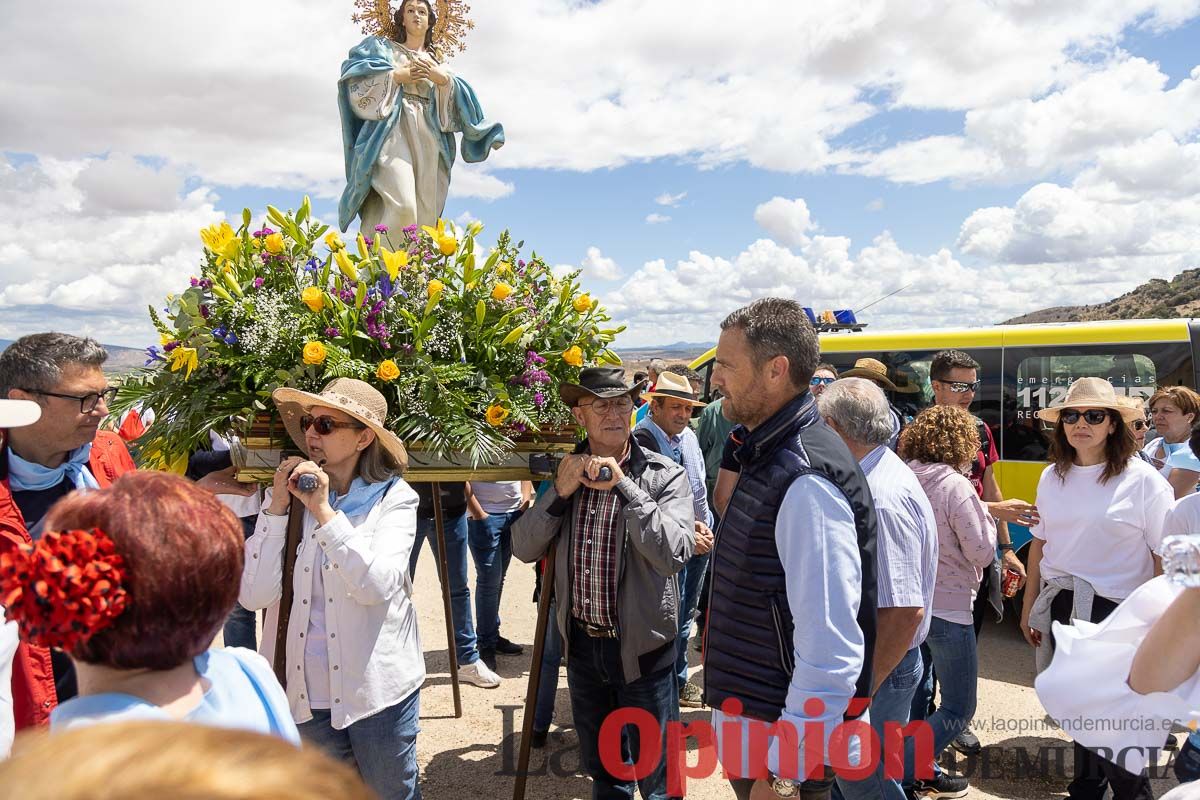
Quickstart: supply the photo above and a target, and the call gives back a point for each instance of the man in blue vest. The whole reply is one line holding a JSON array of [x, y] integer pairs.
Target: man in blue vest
[[791, 615]]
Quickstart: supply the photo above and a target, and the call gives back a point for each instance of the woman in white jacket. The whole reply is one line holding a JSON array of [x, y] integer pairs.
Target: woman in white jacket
[[354, 665]]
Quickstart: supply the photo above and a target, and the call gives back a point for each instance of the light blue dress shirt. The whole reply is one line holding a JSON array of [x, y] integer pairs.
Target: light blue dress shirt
[[684, 449]]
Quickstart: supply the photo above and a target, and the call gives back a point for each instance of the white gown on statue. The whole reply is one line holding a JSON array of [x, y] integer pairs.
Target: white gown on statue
[[1086, 687], [410, 179]]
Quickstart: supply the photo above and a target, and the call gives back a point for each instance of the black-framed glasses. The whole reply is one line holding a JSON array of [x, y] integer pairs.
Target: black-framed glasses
[[87, 402], [1139, 424], [1093, 416], [815, 381], [602, 406], [962, 387], [325, 425]]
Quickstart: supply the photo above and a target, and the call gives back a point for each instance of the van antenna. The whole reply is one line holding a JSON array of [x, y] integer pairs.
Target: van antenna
[[880, 300]]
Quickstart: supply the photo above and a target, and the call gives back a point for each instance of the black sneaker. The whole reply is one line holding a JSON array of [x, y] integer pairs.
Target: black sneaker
[[967, 743], [488, 656], [944, 785], [506, 648], [537, 739]]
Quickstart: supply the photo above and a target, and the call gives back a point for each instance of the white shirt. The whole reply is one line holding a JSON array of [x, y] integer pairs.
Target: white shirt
[[497, 497], [374, 650], [1184, 517], [9, 639], [1103, 533], [316, 652]]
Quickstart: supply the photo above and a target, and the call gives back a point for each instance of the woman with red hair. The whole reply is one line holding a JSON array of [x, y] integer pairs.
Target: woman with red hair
[[133, 582]]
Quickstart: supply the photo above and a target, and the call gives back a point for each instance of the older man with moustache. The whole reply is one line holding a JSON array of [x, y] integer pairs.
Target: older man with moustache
[[666, 431], [619, 520], [64, 451]]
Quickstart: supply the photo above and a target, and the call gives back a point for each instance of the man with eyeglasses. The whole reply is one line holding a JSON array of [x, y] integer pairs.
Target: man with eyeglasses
[[954, 377], [64, 451], [621, 523]]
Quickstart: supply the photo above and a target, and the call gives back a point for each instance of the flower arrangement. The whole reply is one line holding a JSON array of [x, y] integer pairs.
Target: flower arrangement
[[468, 348]]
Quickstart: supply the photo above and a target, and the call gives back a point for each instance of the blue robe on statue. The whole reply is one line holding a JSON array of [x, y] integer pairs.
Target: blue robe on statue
[[399, 140]]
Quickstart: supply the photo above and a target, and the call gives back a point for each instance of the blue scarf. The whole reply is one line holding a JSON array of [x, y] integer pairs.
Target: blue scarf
[[361, 498], [25, 476], [672, 450]]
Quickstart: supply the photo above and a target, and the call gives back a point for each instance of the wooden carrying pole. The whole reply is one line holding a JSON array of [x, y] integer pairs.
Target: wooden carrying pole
[[535, 671], [291, 543], [444, 574]]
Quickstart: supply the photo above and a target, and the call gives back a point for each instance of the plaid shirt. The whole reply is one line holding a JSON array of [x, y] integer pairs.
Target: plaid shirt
[[599, 528]]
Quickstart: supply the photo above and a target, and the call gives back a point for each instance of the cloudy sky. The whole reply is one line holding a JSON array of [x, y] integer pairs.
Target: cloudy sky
[[689, 155]]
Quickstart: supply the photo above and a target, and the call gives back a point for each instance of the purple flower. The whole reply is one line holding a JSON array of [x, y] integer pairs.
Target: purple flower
[[263, 233], [169, 346], [312, 265], [258, 282], [381, 228], [332, 333], [519, 427], [368, 240], [195, 282], [231, 338], [219, 331], [407, 349], [385, 286], [539, 399], [204, 312], [154, 355]]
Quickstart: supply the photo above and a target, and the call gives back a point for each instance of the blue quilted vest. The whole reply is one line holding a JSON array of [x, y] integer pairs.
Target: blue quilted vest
[[748, 647]]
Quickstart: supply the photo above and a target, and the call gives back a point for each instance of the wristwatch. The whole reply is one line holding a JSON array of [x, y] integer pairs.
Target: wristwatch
[[784, 787], [1006, 546]]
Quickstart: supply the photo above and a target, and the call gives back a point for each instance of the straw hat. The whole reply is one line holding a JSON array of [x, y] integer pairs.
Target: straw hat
[[674, 386], [1091, 393], [354, 397], [874, 370], [18, 413]]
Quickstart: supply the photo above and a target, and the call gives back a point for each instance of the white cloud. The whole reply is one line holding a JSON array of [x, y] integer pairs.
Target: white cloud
[[787, 220], [597, 265], [471, 182], [657, 219], [671, 200]]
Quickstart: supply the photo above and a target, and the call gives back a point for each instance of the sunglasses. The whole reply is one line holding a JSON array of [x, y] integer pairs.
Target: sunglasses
[[1139, 425], [962, 387], [325, 425], [1094, 416], [815, 381]]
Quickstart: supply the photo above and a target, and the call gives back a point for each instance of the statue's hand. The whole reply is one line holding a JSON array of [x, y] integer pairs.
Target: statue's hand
[[405, 74]]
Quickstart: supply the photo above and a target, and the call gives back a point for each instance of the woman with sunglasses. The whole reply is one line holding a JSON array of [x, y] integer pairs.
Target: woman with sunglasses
[[354, 665], [1175, 410], [824, 375], [1102, 513]]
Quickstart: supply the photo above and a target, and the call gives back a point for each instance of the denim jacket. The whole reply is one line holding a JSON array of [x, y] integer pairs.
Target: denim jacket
[[659, 540]]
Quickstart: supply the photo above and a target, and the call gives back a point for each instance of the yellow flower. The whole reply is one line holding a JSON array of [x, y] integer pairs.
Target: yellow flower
[[221, 240], [333, 241], [393, 262], [184, 357], [504, 268], [387, 371], [496, 414], [345, 264], [435, 288], [274, 243], [362, 247], [314, 353], [445, 242], [583, 304], [314, 298], [501, 291], [573, 355]]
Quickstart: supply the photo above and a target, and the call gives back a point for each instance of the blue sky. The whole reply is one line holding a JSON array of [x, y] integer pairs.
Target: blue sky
[[999, 159]]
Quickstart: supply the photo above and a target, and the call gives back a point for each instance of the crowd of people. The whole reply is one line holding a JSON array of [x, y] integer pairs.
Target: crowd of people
[[835, 556]]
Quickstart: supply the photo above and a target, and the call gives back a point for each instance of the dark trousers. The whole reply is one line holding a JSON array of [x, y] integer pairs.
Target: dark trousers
[[598, 688], [811, 789], [1094, 774]]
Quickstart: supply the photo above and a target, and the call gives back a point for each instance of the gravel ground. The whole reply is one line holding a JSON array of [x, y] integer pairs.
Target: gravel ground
[[461, 757]]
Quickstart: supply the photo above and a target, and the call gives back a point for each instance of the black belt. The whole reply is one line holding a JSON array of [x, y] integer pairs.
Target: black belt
[[596, 631]]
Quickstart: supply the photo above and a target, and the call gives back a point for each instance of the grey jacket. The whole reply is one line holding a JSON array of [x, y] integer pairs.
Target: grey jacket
[[659, 540]]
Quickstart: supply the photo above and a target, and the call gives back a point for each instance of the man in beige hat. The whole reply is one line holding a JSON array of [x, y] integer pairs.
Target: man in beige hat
[[874, 371], [665, 430], [619, 519]]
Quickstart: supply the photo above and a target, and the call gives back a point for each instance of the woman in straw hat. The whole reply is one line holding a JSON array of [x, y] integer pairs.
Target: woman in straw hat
[[354, 663], [1102, 513]]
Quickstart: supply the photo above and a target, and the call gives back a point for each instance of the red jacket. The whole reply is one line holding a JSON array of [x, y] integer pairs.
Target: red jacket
[[33, 678]]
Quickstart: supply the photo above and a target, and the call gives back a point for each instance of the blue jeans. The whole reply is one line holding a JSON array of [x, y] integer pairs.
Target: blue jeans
[[460, 593], [598, 688], [891, 703], [382, 746], [543, 713], [950, 651], [490, 540], [239, 630], [691, 581]]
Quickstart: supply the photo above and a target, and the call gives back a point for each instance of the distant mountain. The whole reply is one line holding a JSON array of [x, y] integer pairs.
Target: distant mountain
[[1155, 299], [120, 359]]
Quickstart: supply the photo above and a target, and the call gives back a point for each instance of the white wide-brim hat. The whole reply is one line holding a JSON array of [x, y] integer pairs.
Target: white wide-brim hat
[[674, 386], [1090, 393], [19, 413], [357, 398]]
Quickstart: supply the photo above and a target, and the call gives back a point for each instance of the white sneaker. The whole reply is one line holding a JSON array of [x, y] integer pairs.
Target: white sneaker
[[479, 675]]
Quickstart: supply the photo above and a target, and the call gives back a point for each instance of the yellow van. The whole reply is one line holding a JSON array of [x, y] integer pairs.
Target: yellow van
[[1023, 368]]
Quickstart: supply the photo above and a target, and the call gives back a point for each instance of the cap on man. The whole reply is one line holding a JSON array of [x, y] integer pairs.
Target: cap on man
[[63, 451]]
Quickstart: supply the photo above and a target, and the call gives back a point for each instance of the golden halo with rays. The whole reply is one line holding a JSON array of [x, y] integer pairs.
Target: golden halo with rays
[[449, 33]]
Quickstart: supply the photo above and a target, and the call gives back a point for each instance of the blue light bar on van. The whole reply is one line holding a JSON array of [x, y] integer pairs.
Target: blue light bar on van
[[845, 316], [812, 317]]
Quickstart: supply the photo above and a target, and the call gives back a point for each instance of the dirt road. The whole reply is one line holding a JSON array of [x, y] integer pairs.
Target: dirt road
[[476, 755]]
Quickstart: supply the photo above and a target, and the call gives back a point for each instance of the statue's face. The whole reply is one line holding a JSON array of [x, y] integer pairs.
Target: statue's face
[[416, 17]]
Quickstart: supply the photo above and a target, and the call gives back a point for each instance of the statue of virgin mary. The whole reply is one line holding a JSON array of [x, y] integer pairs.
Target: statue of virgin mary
[[400, 107]]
